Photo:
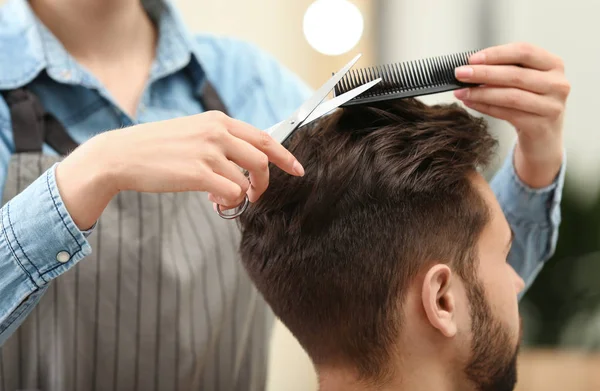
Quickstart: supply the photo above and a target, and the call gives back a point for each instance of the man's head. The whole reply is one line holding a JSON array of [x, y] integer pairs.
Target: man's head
[[391, 247]]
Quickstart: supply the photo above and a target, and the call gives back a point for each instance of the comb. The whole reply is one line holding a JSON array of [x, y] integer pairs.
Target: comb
[[405, 80]]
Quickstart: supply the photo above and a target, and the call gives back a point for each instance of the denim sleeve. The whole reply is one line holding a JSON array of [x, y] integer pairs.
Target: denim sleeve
[[284, 90], [38, 242], [533, 214]]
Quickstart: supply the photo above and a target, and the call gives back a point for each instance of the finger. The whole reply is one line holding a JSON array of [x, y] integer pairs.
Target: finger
[[225, 192], [276, 153], [254, 161], [524, 54], [213, 199], [227, 169], [511, 98], [515, 117], [257, 190], [508, 76]]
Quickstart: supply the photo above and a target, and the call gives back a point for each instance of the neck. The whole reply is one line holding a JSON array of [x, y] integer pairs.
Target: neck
[[415, 376], [91, 30]]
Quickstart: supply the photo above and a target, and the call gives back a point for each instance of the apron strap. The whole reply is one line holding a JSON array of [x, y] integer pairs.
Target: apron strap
[[210, 99], [33, 126]]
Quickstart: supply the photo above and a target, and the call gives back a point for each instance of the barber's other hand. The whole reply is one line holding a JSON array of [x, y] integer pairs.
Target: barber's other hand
[[197, 153], [526, 86]]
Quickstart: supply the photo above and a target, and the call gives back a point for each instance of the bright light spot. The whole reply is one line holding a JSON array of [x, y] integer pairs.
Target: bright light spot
[[333, 27]]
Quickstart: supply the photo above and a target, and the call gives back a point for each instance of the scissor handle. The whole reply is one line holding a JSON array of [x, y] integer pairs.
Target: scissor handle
[[241, 209]]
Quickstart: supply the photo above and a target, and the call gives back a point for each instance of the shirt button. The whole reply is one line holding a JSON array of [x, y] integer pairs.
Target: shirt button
[[63, 257]]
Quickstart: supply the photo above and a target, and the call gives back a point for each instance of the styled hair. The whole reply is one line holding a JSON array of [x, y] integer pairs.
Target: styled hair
[[387, 192]]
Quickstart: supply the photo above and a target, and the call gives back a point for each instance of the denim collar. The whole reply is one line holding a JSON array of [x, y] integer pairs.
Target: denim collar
[[28, 48]]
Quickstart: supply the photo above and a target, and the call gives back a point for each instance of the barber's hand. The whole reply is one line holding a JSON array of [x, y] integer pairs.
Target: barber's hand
[[526, 86], [197, 153]]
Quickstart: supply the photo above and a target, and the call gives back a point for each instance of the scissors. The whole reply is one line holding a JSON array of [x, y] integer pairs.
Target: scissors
[[310, 111]]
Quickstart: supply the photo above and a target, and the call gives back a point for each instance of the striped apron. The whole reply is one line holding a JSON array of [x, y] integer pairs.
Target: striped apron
[[163, 303]]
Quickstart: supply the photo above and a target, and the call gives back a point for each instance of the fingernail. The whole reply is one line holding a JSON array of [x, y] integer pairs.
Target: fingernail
[[462, 93], [477, 58], [463, 72], [215, 207], [298, 169]]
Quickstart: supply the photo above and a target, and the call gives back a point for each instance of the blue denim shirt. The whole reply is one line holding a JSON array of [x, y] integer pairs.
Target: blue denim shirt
[[35, 225]]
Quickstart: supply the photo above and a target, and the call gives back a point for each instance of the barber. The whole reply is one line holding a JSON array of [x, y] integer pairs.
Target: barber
[[162, 302]]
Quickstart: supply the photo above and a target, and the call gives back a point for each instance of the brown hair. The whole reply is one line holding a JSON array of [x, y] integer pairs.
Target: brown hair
[[386, 192]]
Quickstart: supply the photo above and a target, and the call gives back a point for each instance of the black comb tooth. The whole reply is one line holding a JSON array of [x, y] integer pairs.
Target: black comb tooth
[[435, 71], [431, 71], [342, 85], [420, 74], [404, 70], [417, 71], [441, 61], [452, 64], [346, 85], [367, 76], [401, 75], [450, 71], [456, 63], [468, 55], [376, 73], [355, 80], [397, 80], [341, 88], [410, 77], [385, 76], [448, 65], [425, 66], [363, 75], [398, 76], [372, 73], [413, 75], [427, 71], [389, 78], [443, 65]]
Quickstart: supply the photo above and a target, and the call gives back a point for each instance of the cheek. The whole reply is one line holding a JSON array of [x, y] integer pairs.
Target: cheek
[[502, 296]]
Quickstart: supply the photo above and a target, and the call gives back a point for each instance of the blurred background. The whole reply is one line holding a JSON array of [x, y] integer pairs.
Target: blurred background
[[562, 310]]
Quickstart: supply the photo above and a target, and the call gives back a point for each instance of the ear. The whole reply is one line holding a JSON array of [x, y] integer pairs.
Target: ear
[[439, 300]]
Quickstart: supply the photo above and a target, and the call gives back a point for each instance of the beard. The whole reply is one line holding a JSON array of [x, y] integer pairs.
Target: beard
[[493, 363]]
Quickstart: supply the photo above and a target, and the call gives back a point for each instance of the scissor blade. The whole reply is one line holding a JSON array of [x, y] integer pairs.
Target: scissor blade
[[283, 131], [336, 102]]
